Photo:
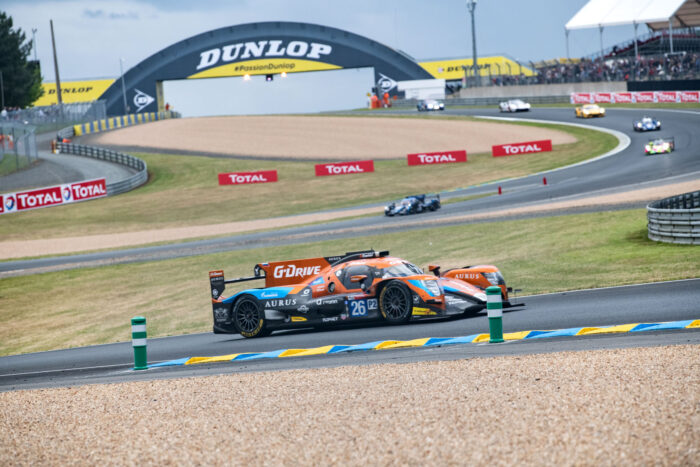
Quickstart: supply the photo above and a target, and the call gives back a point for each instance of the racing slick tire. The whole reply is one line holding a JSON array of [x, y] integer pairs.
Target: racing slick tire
[[395, 303], [249, 318]]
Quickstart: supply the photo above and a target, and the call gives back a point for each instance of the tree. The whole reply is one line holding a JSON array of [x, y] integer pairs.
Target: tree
[[21, 79]]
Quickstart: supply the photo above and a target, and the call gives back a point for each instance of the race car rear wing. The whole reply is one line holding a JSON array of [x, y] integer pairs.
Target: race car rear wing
[[281, 273]]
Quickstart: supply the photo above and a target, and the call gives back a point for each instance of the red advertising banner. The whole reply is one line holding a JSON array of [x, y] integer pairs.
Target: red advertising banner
[[623, 97], [53, 195], [581, 98], [244, 178], [39, 198], [665, 96], [689, 96], [603, 97], [646, 96], [444, 157], [85, 190], [343, 168], [521, 148]]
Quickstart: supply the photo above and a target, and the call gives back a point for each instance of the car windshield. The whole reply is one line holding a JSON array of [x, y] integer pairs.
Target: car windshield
[[402, 270], [590, 107], [517, 101], [405, 201], [646, 119]]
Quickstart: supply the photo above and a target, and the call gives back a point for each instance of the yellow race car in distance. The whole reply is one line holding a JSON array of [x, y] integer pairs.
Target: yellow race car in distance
[[590, 110]]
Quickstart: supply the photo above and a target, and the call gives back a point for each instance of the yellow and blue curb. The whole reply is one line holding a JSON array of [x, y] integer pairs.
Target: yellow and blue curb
[[433, 342], [121, 121]]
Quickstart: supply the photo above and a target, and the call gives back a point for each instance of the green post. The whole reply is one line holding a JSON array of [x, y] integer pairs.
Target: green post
[[138, 342], [494, 308]]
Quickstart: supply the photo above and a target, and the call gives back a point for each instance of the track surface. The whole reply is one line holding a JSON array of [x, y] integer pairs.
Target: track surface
[[629, 169], [665, 301], [643, 303]]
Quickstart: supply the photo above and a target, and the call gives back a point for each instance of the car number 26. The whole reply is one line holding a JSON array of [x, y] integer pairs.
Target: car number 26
[[361, 307]]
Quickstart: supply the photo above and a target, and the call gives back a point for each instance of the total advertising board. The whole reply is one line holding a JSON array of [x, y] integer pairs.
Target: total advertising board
[[442, 157], [344, 168], [245, 178], [500, 150], [634, 97], [52, 196]]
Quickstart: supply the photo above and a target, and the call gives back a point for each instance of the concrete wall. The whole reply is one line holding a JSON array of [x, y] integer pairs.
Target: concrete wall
[[561, 89]]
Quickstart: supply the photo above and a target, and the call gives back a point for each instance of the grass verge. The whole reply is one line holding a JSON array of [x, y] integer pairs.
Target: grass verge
[[93, 306], [183, 190]]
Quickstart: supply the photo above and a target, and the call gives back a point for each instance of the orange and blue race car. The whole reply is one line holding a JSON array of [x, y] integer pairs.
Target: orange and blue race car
[[351, 288]]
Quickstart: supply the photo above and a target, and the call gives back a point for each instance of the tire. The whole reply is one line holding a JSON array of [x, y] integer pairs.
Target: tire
[[248, 318], [395, 303]]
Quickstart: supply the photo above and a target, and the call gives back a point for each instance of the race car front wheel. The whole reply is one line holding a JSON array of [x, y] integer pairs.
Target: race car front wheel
[[249, 319], [395, 302]]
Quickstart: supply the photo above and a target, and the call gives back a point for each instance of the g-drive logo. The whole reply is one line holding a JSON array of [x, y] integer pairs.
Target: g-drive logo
[[259, 49]]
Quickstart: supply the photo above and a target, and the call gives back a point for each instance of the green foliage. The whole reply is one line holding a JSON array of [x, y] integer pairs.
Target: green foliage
[[21, 79]]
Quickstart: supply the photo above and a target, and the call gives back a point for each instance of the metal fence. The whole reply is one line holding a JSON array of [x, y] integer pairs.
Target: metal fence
[[18, 147], [53, 117], [115, 188], [675, 219]]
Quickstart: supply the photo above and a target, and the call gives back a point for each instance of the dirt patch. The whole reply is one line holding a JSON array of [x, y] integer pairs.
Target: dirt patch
[[340, 138], [610, 407], [66, 245]]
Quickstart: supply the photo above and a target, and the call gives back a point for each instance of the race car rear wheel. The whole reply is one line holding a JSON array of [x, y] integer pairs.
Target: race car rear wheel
[[249, 319], [395, 302]]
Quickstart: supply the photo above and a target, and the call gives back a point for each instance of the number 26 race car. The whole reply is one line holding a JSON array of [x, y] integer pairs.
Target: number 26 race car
[[358, 286]]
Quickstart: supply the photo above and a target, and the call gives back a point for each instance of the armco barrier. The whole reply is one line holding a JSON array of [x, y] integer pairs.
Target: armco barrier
[[116, 157], [675, 219]]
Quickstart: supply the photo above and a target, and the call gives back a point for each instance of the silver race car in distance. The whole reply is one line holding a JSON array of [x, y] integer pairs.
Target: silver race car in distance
[[514, 105]]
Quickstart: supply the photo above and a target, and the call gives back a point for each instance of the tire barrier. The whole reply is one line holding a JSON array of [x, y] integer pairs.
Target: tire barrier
[[675, 219], [434, 342], [115, 188]]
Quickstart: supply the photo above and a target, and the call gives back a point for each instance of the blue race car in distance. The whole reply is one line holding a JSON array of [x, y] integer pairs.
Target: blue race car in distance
[[413, 205], [647, 124]]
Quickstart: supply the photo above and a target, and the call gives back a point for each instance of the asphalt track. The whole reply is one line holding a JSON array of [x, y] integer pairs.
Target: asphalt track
[[658, 302], [626, 170]]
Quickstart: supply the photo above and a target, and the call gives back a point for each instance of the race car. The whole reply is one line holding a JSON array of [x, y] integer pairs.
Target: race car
[[659, 146], [514, 105], [590, 110], [646, 124], [430, 104], [356, 287], [412, 205]]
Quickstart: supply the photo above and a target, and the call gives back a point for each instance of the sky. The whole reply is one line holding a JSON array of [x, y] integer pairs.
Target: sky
[[93, 35]]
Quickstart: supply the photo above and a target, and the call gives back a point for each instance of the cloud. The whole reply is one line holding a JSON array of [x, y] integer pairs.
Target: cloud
[[101, 14]]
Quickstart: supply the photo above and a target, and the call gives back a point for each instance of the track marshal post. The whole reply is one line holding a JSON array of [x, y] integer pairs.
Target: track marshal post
[[494, 308], [138, 342]]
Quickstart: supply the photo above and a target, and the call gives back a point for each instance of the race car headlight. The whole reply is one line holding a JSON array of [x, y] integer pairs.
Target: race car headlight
[[495, 278], [432, 287]]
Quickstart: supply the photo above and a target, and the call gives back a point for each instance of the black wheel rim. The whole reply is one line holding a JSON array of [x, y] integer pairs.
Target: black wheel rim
[[247, 316], [395, 302]]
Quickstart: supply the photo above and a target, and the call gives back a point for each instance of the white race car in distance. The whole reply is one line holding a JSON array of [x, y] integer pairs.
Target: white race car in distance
[[430, 104], [514, 105]]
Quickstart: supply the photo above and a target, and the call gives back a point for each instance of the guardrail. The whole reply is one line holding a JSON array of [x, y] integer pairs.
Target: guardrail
[[675, 219], [122, 186]]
